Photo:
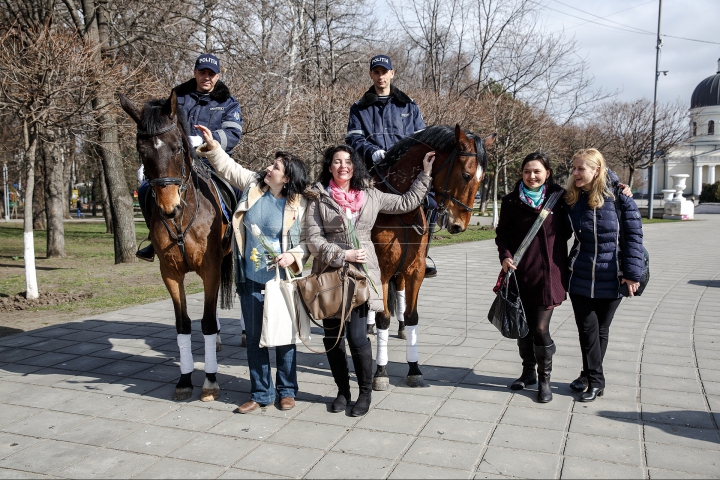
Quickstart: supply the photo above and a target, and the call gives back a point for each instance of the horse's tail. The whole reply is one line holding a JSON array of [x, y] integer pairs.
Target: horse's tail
[[226, 282], [392, 296]]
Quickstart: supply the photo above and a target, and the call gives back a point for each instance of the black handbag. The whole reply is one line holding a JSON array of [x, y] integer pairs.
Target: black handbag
[[507, 312], [645, 276]]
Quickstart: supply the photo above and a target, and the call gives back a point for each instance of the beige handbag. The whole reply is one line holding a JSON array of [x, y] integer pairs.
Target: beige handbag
[[333, 293]]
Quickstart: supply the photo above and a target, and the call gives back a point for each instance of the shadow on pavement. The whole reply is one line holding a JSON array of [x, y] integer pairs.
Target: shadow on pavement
[[705, 283]]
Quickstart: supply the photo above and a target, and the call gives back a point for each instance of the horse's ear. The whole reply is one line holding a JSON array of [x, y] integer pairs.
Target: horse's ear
[[171, 106], [129, 108], [489, 140], [461, 138]]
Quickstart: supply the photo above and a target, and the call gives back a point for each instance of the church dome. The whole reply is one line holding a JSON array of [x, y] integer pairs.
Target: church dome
[[707, 93]]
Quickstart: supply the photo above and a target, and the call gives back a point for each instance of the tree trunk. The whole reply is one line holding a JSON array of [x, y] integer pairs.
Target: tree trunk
[[494, 190], [67, 183], [632, 177], [31, 287], [39, 215], [105, 198], [485, 195], [505, 179], [54, 186]]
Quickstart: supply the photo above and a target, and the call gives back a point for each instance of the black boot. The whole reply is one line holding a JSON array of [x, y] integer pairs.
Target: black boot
[[362, 359], [544, 355], [146, 253], [527, 353], [339, 368]]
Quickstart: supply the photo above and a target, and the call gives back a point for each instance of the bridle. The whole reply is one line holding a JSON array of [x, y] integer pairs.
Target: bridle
[[450, 164], [179, 234]]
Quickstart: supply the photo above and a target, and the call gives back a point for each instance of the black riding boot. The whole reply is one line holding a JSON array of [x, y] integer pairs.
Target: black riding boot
[[362, 360], [430, 272], [527, 353], [146, 253], [544, 356], [340, 372]]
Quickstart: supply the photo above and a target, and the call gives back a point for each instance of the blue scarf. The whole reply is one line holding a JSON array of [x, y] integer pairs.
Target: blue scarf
[[530, 198]]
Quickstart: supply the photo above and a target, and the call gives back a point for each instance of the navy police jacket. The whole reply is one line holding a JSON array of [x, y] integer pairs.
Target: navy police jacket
[[374, 125], [598, 261], [217, 110]]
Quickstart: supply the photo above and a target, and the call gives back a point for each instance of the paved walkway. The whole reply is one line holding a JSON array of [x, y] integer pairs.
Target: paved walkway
[[91, 398]]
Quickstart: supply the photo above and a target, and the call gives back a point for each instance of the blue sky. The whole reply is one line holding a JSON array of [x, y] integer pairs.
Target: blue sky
[[622, 60]]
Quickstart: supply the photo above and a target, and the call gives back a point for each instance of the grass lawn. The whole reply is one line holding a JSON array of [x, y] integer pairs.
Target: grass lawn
[[472, 234], [647, 221], [89, 268]]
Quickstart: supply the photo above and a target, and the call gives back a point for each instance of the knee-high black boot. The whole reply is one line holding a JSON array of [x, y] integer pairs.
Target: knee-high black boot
[[146, 253], [544, 360], [339, 368], [362, 359], [527, 353]]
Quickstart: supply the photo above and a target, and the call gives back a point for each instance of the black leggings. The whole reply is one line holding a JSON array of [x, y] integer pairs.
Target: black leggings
[[538, 318], [355, 329], [593, 317]]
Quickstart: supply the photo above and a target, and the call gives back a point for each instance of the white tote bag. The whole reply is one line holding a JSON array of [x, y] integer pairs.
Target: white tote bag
[[279, 313]]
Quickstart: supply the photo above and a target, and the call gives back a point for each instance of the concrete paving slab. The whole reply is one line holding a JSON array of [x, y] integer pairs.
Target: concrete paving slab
[[48, 457], [691, 460], [284, 460], [615, 450], [175, 468], [586, 468], [369, 444], [412, 470], [336, 464], [215, 449], [109, 464], [518, 463], [526, 438]]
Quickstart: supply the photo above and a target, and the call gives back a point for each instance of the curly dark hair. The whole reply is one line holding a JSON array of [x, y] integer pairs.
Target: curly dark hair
[[542, 158], [296, 172], [361, 179]]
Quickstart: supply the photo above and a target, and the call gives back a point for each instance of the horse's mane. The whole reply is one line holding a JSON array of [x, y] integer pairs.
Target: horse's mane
[[438, 137], [153, 120]]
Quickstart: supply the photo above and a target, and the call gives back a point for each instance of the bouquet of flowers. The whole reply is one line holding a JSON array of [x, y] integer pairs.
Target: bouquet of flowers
[[255, 256], [356, 244]]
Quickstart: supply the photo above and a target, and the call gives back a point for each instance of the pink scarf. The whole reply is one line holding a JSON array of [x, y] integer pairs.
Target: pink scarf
[[352, 200]]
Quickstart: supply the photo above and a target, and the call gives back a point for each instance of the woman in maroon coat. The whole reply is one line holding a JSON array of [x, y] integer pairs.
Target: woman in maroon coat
[[542, 273]]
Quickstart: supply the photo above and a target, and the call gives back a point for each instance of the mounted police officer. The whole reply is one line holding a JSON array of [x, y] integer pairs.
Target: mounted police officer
[[381, 118], [206, 101]]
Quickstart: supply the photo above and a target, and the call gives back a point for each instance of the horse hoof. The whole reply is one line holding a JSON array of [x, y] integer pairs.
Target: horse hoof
[[243, 343], [183, 393], [209, 394], [210, 391], [380, 384], [218, 344], [401, 334], [415, 381]]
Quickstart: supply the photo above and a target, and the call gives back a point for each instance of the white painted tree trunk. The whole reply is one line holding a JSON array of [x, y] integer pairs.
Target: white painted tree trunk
[[31, 287]]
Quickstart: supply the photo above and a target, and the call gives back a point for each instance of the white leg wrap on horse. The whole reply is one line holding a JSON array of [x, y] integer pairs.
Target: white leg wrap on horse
[[210, 353], [400, 307], [186, 358], [411, 352], [371, 317], [382, 342], [242, 321]]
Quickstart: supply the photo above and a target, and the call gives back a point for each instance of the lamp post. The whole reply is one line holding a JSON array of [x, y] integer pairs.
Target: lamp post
[[658, 46], [6, 195]]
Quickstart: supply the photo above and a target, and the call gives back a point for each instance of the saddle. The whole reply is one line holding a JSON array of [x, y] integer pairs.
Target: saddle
[[226, 194]]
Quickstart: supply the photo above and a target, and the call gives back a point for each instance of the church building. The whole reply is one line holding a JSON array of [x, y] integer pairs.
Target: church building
[[699, 155]]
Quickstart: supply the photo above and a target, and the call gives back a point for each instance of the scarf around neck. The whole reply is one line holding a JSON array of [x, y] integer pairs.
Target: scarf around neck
[[352, 200], [530, 198]]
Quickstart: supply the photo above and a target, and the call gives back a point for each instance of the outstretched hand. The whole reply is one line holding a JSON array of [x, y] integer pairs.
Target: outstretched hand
[[428, 162], [207, 137]]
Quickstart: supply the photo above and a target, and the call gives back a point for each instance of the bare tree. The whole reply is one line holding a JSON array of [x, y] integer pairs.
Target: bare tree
[[627, 128]]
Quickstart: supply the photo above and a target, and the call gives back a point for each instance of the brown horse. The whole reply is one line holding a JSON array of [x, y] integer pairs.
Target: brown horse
[[187, 230], [401, 241]]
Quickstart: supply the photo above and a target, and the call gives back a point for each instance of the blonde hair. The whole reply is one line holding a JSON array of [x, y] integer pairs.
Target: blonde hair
[[599, 189]]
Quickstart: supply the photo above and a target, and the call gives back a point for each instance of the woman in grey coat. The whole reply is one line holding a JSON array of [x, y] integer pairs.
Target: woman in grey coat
[[346, 195]]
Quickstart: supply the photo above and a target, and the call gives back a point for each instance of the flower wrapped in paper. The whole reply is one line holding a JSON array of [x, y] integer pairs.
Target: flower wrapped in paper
[[267, 245]]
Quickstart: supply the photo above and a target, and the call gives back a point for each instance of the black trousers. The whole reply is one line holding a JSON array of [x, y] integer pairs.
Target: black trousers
[[593, 317], [355, 329]]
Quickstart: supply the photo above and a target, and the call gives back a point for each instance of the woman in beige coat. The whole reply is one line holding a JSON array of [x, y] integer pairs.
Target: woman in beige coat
[[276, 205], [346, 195]]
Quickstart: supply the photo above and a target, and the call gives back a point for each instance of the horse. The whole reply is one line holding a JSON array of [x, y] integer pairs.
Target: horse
[[401, 241], [187, 230]]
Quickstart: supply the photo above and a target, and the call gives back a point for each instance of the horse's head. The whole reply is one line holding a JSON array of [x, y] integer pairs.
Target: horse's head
[[161, 146], [456, 180]]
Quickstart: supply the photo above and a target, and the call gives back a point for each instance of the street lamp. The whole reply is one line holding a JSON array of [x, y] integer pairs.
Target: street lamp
[[658, 46], [6, 195]]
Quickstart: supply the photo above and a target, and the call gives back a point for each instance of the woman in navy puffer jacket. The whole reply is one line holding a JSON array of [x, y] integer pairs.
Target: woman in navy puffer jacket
[[598, 263]]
